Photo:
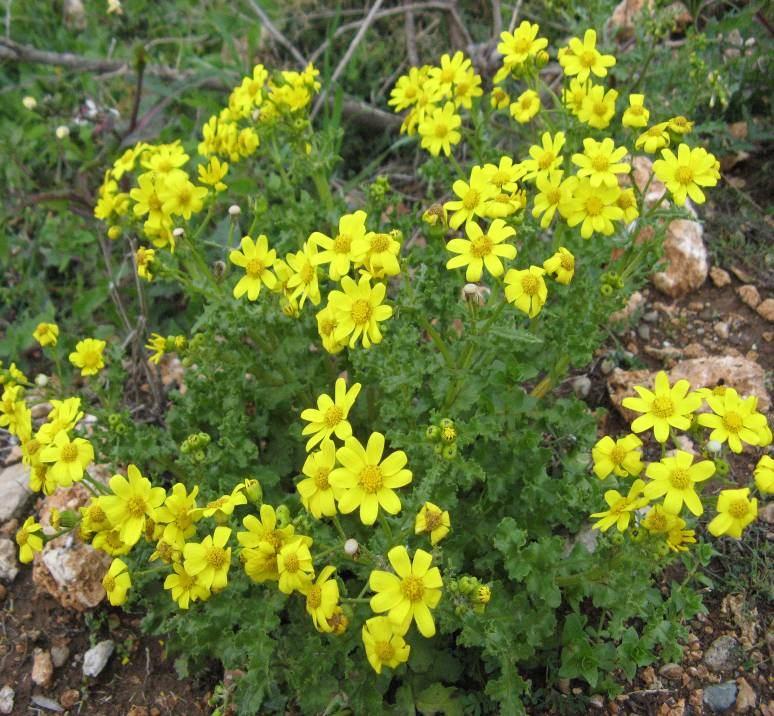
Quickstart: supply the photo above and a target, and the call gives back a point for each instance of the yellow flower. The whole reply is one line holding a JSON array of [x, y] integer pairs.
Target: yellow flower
[[622, 457], [409, 594], [381, 254], [317, 495], [659, 521], [326, 327], [330, 416], [407, 89], [367, 480], [347, 247], [482, 249], [358, 309], [322, 598], [93, 517], [764, 475], [28, 540], [117, 582], [499, 98], [526, 289], [147, 200], [69, 458], [438, 130], [653, 138], [262, 542], [601, 162], [502, 175], [210, 559], [451, 71], [12, 398], [224, 505], [303, 283], [573, 96], [735, 512], [635, 115], [474, 197], [675, 477], [733, 419], [256, 259], [627, 203], [685, 173], [526, 106], [664, 407], [46, 334], [179, 515], [678, 537], [562, 264], [679, 125], [523, 43], [434, 521], [594, 208], [88, 356], [110, 542], [583, 58], [213, 173], [184, 587], [294, 565], [621, 508], [157, 344], [466, 88], [64, 415], [553, 193], [134, 500], [598, 107], [544, 157], [143, 258], [383, 645]]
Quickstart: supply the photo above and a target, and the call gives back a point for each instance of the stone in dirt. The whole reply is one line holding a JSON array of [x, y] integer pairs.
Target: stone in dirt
[[686, 257], [59, 655], [625, 17], [745, 616], [720, 697], [746, 698], [9, 566], [766, 309], [14, 487], [42, 668], [720, 277], [671, 671], [96, 658], [745, 375], [749, 295], [6, 699], [69, 698], [724, 654], [636, 301]]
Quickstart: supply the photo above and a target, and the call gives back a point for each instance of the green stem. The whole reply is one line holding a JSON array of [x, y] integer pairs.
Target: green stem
[[323, 190], [339, 528], [386, 527], [438, 342]]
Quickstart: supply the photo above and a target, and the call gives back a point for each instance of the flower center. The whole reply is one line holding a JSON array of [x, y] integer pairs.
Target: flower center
[[109, 583], [371, 479], [327, 326], [135, 506], [97, 514], [154, 203], [441, 130], [530, 285], [333, 416], [600, 109], [292, 564], [184, 196], [481, 246], [600, 163], [567, 262], [656, 131], [625, 200], [521, 45], [91, 359], [594, 206], [379, 243], [499, 178], [470, 200], [636, 110], [384, 650], [321, 479], [361, 312], [410, 92], [307, 273], [342, 244], [657, 522], [314, 597], [432, 520], [553, 196], [546, 160], [69, 453], [413, 589], [680, 479], [165, 551], [254, 268], [684, 174], [617, 454], [526, 103], [733, 422], [662, 407], [216, 557], [447, 75], [588, 58], [738, 509]]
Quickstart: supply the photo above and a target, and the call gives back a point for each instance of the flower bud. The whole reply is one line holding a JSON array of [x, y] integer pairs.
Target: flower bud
[[234, 211], [351, 547], [482, 595], [283, 515], [29, 102], [114, 232], [68, 519], [449, 452], [218, 269], [541, 59], [722, 467], [62, 132], [253, 491], [432, 433], [435, 215], [55, 518]]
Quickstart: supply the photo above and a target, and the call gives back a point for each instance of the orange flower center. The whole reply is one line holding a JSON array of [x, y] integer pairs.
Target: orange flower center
[[307, 273], [413, 589], [680, 479], [361, 312], [553, 196], [656, 522], [600, 109], [371, 479], [432, 519]]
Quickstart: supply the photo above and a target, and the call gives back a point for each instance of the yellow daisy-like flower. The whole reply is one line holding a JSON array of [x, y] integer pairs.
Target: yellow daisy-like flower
[[735, 512], [133, 502], [179, 515], [466, 89], [627, 203], [158, 345], [526, 106], [210, 559], [213, 173], [503, 175], [64, 415], [516, 47], [330, 416], [601, 162], [594, 208], [326, 327], [110, 542], [482, 249], [653, 138], [322, 598], [764, 475], [143, 258], [367, 481], [573, 96], [562, 265], [294, 566], [380, 257], [636, 114], [185, 588], [304, 282], [621, 508], [659, 521], [499, 98], [544, 157], [685, 173], [407, 89], [317, 494], [46, 334], [224, 505], [678, 537], [262, 542], [256, 259], [622, 457], [474, 197], [451, 71], [93, 517], [409, 594], [438, 130], [553, 193], [598, 107], [384, 646], [117, 582], [675, 477], [583, 58], [358, 309], [434, 521], [69, 458], [88, 356], [664, 407], [733, 419], [526, 289], [347, 247], [679, 125], [28, 540]]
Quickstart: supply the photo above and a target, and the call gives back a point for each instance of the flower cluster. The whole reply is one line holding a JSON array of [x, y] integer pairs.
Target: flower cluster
[[678, 476]]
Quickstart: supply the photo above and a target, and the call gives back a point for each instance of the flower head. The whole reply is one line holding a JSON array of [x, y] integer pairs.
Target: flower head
[[733, 419], [526, 106], [685, 173], [117, 582], [262, 542], [256, 259], [526, 289], [345, 248], [322, 598], [134, 500], [88, 356], [304, 281], [583, 58], [659, 521], [474, 195], [594, 208], [317, 494], [481, 249], [28, 540], [46, 334], [330, 416], [69, 458], [562, 265], [676, 477], [184, 587], [294, 566], [384, 645], [439, 130], [764, 474], [636, 114], [653, 138], [620, 507], [358, 309], [622, 457], [735, 512], [434, 521], [210, 559], [598, 107], [143, 258], [601, 162]]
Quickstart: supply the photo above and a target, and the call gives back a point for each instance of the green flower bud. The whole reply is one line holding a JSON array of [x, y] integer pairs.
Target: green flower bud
[[606, 289], [449, 452], [722, 467], [253, 491], [433, 432], [69, 519], [283, 516], [446, 423], [616, 538], [199, 456], [439, 448]]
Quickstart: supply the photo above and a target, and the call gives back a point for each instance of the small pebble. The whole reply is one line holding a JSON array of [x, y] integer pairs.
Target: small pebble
[[643, 331]]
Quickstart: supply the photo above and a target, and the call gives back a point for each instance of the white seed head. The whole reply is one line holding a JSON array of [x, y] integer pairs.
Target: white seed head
[[713, 446], [178, 232], [351, 547], [234, 210], [41, 380], [62, 132], [29, 102]]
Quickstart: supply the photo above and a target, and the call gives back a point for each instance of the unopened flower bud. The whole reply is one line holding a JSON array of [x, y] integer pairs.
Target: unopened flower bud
[[476, 293], [283, 516], [483, 595], [351, 547], [68, 519], [541, 59], [234, 211], [62, 132], [29, 102], [253, 491], [114, 232], [433, 432], [435, 215], [449, 451], [219, 269]]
